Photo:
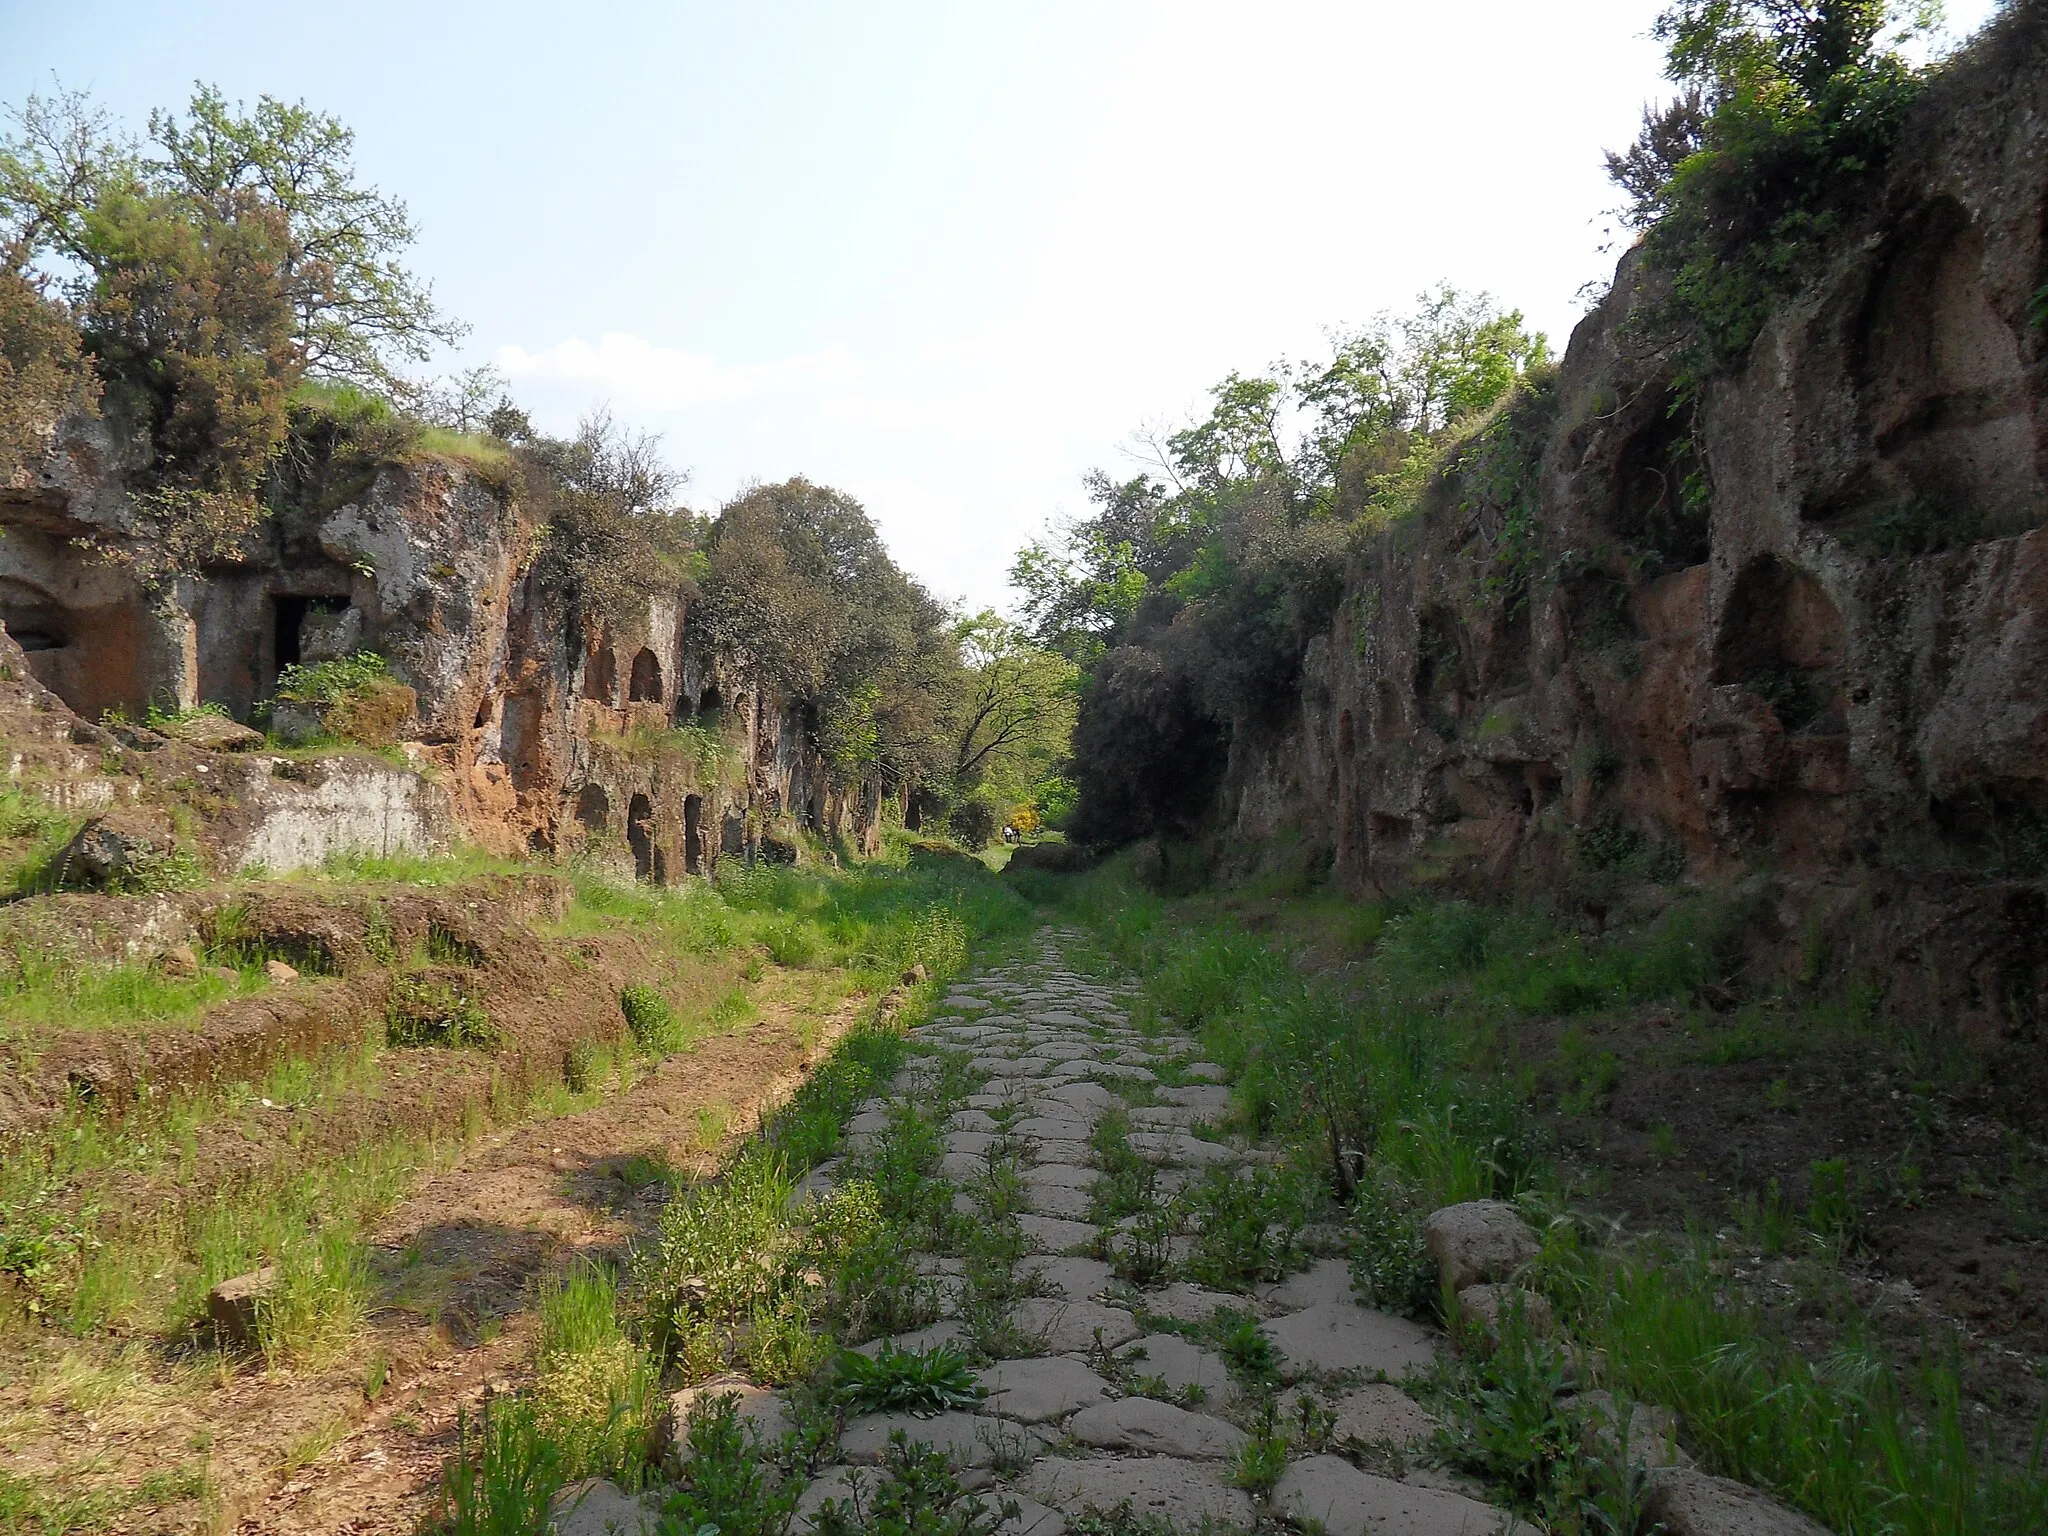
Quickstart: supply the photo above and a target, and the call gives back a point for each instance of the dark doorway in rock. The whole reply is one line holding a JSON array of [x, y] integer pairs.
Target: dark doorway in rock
[[709, 704], [644, 687], [693, 834], [640, 836], [288, 625], [593, 808], [601, 676]]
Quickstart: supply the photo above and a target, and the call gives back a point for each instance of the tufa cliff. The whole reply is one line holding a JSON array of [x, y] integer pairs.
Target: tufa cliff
[[1790, 626]]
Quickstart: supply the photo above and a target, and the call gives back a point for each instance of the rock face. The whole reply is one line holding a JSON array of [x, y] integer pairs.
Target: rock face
[[1479, 1240], [1802, 615], [529, 723]]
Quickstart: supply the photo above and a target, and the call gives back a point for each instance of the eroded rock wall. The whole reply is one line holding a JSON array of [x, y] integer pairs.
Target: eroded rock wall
[[1798, 624]]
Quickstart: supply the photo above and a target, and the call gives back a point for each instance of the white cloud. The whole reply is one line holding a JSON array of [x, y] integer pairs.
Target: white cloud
[[639, 374]]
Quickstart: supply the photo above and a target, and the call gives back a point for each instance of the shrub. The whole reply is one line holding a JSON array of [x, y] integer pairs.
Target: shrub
[[436, 1010], [653, 1022]]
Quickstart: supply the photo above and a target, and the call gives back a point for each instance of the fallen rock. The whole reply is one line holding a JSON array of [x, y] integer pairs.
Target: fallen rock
[[1692, 1503], [1479, 1240], [234, 1305], [1152, 1428], [1339, 1336], [279, 973], [1069, 1327], [1381, 1414], [1652, 1431], [1190, 1493], [595, 1507], [1038, 1391], [1328, 1491], [113, 850], [178, 960], [214, 732], [1483, 1308]]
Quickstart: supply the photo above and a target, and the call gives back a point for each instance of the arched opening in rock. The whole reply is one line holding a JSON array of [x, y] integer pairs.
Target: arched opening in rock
[[1440, 687], [1781, 639], [309, 628], [709, 703], [693, 834], [1661, 509], [644, 686], [640, 836], [593, 808], [601, 676]]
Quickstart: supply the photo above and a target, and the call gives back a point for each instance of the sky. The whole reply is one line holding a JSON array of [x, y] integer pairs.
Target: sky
[[946, 257]]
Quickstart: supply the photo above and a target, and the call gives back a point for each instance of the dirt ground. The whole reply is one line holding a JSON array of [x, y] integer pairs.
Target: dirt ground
[[358, 1444]]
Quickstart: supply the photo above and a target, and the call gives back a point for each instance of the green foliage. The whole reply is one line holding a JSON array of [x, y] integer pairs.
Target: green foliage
[[1247, 1226], [43, 1238], [503, 1475], [437, 1010], [1390, 1263], [917, 1494], [329, 682], [653, 1022], [1190, 596], [726, 1485], [904, 1380], [1787, 116]]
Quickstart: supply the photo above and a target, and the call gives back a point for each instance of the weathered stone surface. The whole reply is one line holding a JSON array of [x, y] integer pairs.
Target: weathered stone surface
[[279, 973], [834, 1485], [215, 733], [233, 1305], [1189, 1493], [1065, 1175], [1692, 1503], [1187, 1303], [1075, 1279], [968, 1439], [1151, 1428], [1330, 1492], [972, 1120], [1060, 1200], [1179, 1147], [1207, 1100], [1030, 1518], [1049, 1234], [758, 1408], [1325, 1280], [1337, 1336], [1037, 1391], [596, 1507], [974, 1144], [929, 1337], [1088, 1098], [1068, 1327], [1179, 1364], [1381, 1414], [1047, 1128], [1482, 1309], [1652, 1431], [1478, 1241]]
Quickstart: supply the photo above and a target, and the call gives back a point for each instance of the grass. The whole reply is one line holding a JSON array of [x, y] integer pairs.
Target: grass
[[44, 989], [32, 833], [1404, 1089]]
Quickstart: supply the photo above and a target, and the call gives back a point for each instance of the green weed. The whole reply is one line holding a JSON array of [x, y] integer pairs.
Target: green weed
[[915, 1381]]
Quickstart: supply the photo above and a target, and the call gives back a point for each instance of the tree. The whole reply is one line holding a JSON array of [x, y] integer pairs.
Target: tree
[[610, 533], [207, 273], [43, 371], [1016, 713], [1788, 109]]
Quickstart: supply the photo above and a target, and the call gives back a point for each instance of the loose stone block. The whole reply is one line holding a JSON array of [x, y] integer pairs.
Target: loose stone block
[[1189, 1493], [1336, 1336], [1039, 1391], [1330, 1492], [233, 1304], [1152, 1428], [1479, 1240], [1691, 1503], [1483, 1309]]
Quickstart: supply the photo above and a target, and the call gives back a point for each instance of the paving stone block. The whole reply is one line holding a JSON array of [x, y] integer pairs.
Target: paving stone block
[[1337, 1336], [1325, 1280], [1330, 1492], [1173, 1360], [1151, 1428], [1069, 1327], [967, 1439], [1040, 1390], [1381, 1414], [1188, 1493], [1075, 1279], [1049, 1234], [1692, 1503], [1186, 1303]]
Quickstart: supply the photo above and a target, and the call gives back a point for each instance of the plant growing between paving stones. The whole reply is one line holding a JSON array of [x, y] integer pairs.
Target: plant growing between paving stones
[[916, 1494], [724, 1483], [1247, 1226], [914, 1381]]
